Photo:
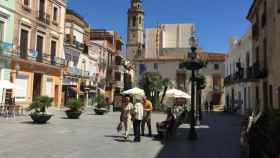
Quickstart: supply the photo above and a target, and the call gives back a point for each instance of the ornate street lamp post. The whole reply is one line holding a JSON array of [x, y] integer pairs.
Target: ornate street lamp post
[[192, 133], [194, 65]]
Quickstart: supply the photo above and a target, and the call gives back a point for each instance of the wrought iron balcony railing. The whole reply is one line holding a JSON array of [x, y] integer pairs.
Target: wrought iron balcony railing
[[255, 72], [5, 48], [34, 56], [43, 17], [74, 71]]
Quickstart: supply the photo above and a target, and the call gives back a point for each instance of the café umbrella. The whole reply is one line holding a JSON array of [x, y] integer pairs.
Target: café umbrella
[[4, 84], [134, 92], [172, 94]]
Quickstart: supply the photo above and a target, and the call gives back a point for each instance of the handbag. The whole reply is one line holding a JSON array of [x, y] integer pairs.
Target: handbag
[[119, 127]]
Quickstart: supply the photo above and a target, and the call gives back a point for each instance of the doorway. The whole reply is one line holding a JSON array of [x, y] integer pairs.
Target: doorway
[[56, 90], [37, 83]]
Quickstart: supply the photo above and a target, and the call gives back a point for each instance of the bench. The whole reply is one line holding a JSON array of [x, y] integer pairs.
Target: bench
[[172, 127]]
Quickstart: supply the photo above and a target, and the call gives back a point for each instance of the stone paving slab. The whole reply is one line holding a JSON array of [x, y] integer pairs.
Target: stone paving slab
[[96, 137]]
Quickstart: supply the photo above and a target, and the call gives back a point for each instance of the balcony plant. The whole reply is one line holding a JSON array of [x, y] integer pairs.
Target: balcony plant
[[75, 107], [101, 105], [39, 107]]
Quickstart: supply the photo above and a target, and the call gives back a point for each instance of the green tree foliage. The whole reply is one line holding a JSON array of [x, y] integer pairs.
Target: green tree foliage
[[40, 104], [75, 104]]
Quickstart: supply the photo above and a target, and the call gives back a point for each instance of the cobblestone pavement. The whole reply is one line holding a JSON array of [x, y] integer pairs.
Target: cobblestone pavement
[[95, 136]]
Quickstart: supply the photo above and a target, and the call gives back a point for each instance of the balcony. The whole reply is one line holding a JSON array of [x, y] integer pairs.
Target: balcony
[[35, 56], [72, 41], [43, 17], [76, 72], [236, 77], [6, 48], [255, 72], [26, 8]]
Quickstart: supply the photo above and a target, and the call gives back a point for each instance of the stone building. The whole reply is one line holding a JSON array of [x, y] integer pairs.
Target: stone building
[[38, 49], [109, 47], [135, 32], [238, 86], [265, 19], [168, 68], [77, 77], [167, 37]]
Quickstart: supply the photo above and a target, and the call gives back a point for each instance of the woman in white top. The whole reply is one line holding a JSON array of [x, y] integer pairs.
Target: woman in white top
[[126, 116]]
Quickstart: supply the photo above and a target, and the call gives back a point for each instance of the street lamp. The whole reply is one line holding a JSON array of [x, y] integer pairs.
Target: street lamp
[[193, 45]]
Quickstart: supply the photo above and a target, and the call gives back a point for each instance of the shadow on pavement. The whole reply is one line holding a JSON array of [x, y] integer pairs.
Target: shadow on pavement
[[220, 140]]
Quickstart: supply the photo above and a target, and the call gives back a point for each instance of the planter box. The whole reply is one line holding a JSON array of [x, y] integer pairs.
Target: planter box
[[73, 114], [40, 118], [100, 111]]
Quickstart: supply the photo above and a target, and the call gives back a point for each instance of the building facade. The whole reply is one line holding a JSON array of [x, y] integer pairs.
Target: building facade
[[238, 86], [264, 17], [37, 56], [109, 45], [168, 68], [167, 38], [77, 76], [7, 11]]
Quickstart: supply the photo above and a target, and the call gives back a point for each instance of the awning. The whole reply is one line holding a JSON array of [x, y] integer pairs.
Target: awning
[[77, 90]]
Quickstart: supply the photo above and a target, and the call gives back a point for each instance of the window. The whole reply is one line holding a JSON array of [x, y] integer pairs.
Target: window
[[265, 95], [247, 60], [118, 60], [140, 20], [26, 2], [278, 96], [134, 21], [53, 52], [117, 76], [257, 55], [271, 95], [264, 16], [265, 53], [278, 6], [55, 14], [216, 66], [49, 87], [257, 97], [21, 94], [155, 66], [255, 31], [2, 30], [39, 47], [24, 43]]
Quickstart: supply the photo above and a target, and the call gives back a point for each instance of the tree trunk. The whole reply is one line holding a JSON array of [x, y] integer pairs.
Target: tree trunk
[[163, 95]]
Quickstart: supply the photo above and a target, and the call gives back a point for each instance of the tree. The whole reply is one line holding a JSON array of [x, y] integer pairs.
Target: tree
[[200, 85], [152, 84], [166, 82]]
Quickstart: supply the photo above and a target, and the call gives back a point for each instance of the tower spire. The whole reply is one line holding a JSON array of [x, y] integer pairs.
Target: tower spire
[[135, 32]]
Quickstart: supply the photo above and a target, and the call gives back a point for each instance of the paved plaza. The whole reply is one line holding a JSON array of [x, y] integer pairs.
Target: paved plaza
[[95, 136]]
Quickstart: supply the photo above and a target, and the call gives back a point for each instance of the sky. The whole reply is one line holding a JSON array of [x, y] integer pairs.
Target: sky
[[215, 20]]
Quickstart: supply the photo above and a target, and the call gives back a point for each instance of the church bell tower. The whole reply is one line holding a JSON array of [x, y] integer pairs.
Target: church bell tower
[[135, 32]]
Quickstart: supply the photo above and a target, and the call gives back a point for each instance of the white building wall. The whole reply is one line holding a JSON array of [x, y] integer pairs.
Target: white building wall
[[241, 51]]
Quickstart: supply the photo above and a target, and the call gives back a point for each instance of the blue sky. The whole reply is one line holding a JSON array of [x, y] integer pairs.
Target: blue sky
[[216, 20]]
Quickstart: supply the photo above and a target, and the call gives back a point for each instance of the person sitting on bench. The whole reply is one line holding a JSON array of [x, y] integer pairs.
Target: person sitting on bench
[[166, 125]]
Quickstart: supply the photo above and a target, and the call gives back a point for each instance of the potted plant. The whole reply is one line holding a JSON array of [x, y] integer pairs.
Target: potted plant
[[100, 108], [39, 107], [75, 108]]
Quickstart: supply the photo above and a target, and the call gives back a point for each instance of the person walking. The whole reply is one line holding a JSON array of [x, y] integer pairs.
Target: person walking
[[137, 118], [126, 116], [148, 108]]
